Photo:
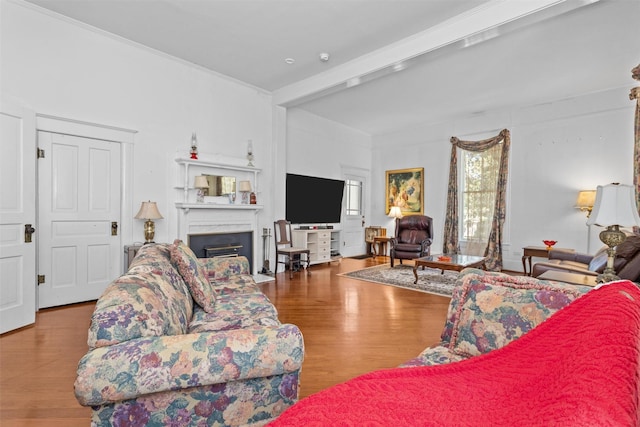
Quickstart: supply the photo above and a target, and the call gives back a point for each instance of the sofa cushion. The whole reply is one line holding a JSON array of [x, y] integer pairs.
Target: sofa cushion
[[151, 299], [240, 284], [496, 308], [628, 248], [236, 311], [598, 262], [194, 275], [222, 269]]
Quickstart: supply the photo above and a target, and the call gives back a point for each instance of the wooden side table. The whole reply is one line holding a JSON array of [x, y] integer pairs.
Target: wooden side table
[[538, 251], [380, 245]]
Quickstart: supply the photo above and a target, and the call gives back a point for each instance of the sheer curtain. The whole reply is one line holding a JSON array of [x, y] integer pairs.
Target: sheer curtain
[[493, 239]]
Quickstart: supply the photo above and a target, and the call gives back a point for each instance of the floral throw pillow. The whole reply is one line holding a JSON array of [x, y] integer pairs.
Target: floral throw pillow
[[193, 273], [497, 309]]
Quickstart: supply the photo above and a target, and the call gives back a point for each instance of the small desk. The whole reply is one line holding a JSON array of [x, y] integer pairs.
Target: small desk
[[571, 278], [537, 251], [380, 245]]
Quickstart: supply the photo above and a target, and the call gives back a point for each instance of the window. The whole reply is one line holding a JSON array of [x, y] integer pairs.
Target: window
[[353, 197], [478, 184]]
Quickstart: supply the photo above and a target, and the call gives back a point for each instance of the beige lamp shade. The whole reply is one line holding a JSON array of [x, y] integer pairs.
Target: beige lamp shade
[[586, 199], [244, 186], [201, 182], [395, 212], [148, 210], [614, 205]]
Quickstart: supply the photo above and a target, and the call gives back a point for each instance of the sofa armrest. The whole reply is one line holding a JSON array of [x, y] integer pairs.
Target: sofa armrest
[[570, 256], [221, 268], [150, 365]]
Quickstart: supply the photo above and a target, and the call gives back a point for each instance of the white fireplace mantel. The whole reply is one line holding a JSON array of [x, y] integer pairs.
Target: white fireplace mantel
[[205, 218]]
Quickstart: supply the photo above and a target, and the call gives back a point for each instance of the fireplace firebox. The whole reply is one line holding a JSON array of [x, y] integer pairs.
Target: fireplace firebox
[[223, 245]]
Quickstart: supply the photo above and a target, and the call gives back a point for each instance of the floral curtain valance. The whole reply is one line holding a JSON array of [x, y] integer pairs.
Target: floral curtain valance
[[493, 251]]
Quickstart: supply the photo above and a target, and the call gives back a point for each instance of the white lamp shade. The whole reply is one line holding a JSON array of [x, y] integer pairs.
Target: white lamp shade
[[201, 182], [245, 186], [615, 205], [148, 210], [395, 212]]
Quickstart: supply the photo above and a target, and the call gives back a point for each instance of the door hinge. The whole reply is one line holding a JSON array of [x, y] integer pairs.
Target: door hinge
[[40, 279], [40, 152]]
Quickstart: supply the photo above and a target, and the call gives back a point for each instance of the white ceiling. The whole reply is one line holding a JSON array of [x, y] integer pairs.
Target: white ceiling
[[567, 49]]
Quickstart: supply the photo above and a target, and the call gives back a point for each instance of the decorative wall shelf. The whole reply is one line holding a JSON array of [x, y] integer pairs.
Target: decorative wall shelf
[[208, 164], [189, 165], [187, 206]]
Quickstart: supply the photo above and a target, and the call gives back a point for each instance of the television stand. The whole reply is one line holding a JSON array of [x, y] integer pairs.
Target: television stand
[[320, 242]]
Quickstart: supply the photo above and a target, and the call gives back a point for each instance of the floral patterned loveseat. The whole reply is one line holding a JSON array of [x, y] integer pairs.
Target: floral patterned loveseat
[[488, 310], [181, 341]]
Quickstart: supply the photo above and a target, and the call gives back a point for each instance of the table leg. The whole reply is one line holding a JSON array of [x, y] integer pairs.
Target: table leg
[[415, 273], [524, 264]]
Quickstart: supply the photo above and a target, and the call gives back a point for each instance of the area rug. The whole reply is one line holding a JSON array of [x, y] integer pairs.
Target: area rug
[[429, 280], [366, 256]]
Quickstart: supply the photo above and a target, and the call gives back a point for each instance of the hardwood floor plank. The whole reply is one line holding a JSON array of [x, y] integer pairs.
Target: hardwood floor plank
[[350, 327]]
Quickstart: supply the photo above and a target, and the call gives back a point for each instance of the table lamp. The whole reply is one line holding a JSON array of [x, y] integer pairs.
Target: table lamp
[[200, 183], [149, 211], [245, 189], [615, 207]]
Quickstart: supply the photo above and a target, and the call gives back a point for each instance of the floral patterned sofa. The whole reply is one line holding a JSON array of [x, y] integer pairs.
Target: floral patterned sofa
[[188, 342], [488, 310]]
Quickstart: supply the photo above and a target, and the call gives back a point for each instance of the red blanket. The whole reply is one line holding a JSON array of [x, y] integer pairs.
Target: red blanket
[[579, 368]]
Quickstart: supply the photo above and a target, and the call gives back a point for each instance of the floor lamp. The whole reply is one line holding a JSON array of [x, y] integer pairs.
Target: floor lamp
[[615, 207], [396, 213]]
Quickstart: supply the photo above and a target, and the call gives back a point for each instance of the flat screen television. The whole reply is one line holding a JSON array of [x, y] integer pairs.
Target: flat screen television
[[313, 200]]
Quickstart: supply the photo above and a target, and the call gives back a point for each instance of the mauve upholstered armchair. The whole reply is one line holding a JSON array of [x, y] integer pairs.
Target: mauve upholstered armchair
[[413, 238]]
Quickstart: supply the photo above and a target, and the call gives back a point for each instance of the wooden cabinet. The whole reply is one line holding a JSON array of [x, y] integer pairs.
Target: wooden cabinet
[[323, 244]]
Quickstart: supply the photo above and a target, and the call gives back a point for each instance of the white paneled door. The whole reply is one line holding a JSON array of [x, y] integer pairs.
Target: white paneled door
[[17, 216], [79, 217], [354, 220]]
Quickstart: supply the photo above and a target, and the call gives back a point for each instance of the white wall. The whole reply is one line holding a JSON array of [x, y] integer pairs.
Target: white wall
[[58, 67], [320, 147], [557, 149]]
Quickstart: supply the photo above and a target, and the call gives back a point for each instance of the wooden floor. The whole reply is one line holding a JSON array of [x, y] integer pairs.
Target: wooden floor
[[350, 327]]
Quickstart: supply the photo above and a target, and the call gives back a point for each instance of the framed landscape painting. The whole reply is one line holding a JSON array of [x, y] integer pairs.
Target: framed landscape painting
[[404, 189]]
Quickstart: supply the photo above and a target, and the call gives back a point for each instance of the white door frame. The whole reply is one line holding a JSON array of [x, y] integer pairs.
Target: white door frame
[[126, 137], [18, 208]]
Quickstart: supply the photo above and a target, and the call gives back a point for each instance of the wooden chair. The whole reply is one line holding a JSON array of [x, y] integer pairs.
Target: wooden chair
[[284, 247]]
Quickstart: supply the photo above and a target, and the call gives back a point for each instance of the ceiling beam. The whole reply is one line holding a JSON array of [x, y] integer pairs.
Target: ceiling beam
[[481, 23]]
